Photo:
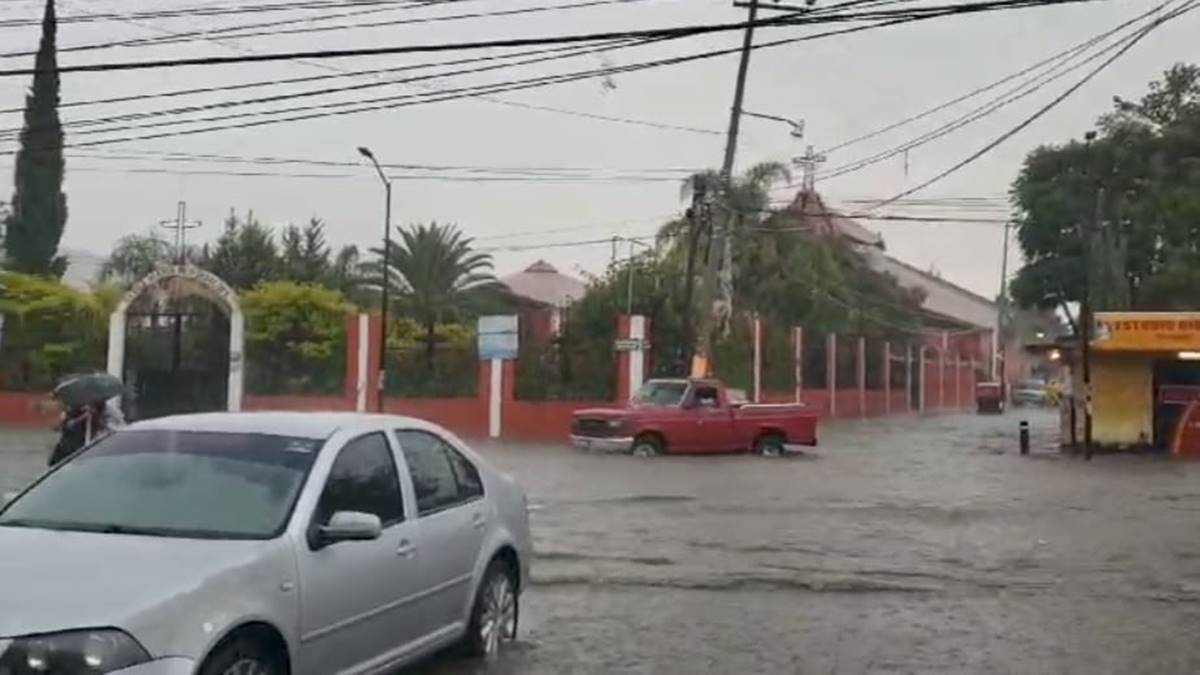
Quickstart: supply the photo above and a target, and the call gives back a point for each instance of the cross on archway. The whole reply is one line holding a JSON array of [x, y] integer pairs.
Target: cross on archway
[[180, 226]]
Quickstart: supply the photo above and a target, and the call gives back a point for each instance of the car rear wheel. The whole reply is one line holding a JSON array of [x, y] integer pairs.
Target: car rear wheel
[[243, 656], [496, 613], [646, 446], [770, 445]]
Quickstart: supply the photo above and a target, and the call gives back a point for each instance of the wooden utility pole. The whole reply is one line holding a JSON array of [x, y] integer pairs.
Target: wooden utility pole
[[718, 271], [1086, 228]]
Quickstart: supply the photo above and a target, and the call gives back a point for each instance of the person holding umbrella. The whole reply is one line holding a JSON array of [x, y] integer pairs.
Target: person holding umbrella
[[90, 412]]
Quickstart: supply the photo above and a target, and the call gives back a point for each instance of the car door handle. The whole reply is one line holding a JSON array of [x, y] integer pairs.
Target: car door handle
[[478, 521], [406, 549]]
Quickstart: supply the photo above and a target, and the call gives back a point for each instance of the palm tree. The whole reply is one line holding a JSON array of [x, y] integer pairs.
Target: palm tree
[[747, 199], [438, 277]]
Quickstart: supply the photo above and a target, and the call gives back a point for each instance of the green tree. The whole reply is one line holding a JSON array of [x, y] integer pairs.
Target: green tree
[[133, 257], [50, 330], [39, 207], [295, 337], [305, 254], [1134, 188], [244, 255], [437, 277]]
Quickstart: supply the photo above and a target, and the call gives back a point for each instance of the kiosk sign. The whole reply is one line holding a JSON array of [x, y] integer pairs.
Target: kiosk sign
[[1147, 331]]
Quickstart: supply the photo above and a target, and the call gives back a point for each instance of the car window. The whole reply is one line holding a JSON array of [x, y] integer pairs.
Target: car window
[[363, 479], [441, 476], [469, 484], [171, 483], [706, 397]]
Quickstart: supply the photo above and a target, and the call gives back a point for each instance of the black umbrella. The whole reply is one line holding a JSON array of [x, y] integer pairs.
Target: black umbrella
[[80, 390]]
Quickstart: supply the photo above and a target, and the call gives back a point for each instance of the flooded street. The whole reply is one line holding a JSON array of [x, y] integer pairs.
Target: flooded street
[[899, 546]]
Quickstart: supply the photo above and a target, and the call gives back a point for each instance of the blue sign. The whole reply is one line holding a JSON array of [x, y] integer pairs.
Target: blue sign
[[498, 337]]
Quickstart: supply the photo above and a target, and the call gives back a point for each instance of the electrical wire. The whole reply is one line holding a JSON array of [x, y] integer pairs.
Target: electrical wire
[[1130, 43], [1023, 90], [988, 87], [697, 29], [251, 30], [219, 10], [557, 79]]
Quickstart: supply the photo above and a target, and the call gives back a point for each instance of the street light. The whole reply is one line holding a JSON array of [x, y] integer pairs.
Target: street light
[[387, 249], [796, 125]]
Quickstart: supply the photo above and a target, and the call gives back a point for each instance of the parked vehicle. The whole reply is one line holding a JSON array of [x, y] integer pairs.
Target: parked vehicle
[[272, 544], [693, 416], [989, 397], [1030, 392]]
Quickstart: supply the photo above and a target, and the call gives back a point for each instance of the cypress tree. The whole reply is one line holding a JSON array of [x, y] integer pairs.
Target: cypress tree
[[39, 207]]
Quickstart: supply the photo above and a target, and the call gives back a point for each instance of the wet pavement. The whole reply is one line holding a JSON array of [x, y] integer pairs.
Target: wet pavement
[[914, 545]]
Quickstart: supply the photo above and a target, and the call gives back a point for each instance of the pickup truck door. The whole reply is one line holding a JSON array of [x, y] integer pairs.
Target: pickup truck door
[[713, 420]]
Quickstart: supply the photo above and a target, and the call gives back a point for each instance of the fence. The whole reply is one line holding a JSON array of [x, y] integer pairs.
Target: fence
[[837, 376]]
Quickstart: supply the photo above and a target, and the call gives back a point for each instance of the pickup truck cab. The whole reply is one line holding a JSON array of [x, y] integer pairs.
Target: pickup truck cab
[[693, 416]]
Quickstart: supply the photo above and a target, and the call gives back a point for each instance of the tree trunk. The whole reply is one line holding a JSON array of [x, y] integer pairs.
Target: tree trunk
[[430, 345]]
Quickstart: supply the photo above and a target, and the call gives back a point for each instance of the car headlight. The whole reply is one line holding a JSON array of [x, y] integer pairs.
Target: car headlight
[[616, 424], [85, 652]]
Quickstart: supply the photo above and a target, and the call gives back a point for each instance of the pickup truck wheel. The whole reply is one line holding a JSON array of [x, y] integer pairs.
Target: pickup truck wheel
[[770, 445], [646, 446]]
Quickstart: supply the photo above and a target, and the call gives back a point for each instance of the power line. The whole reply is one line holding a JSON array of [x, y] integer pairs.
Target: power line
[[988, 87], [574, 52], [442, 96], [219, 10], [172, 156], [251, 30], [1023, 90], [1046, 108], [469, 92], [700, 29]]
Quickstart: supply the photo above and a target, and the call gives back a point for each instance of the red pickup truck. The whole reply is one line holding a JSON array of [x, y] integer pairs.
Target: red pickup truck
[[692, 416]]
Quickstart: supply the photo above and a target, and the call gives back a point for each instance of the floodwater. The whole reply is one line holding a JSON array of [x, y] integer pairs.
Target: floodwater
[[913, 545]]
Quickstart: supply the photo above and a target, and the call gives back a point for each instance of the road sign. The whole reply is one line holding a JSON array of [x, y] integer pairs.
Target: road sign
[[498, 337], [630, 345]]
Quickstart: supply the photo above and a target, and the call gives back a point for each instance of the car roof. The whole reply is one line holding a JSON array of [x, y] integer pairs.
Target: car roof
[[313, 425]]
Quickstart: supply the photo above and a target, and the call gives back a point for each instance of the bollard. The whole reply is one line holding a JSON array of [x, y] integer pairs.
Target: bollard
[[1024, 437]]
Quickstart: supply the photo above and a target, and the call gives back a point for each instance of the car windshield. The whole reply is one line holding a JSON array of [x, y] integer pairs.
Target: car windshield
[[1033, 384], [661, 392], [172, 484]]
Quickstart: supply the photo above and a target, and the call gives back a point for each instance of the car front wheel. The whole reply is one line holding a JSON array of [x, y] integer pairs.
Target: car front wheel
[[243, 656], [496, 612]]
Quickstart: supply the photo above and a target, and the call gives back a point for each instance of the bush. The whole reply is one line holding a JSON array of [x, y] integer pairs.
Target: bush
[[453, 371], [295, 338], [50, 330]]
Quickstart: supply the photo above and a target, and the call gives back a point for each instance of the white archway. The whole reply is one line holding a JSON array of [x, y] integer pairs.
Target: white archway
[[187, 280]]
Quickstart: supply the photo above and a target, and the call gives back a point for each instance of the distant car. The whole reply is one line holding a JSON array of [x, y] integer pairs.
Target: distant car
[[261, 544], [693, 416], [1030, 392]]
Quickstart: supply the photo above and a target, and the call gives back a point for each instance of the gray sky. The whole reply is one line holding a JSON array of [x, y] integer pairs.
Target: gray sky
[[842, 86]]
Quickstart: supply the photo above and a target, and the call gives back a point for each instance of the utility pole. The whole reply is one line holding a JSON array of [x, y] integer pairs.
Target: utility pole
[[1085, 303], [999, 346], [718, 271], [699, 220]]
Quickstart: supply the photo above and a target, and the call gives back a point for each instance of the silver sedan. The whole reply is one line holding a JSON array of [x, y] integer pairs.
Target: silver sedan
[[261, 544]]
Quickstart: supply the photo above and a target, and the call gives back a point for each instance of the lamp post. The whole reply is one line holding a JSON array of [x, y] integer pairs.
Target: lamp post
[[387, 250]]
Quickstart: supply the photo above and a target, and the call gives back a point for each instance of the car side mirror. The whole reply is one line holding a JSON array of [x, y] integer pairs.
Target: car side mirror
[[349, 526]]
